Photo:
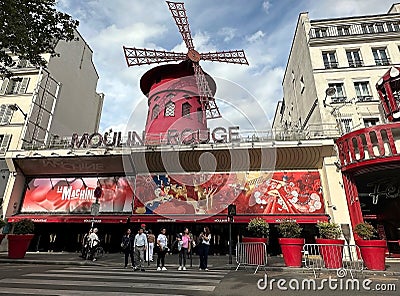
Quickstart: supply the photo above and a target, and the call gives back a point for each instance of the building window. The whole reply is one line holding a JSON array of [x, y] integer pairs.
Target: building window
[[370, 121], [363, 91], [339, 96], [346, 125], [15, 85], [354, 58], [169, 109], [155, 112], [320, 32], [380, 56], [5, 114], [393, 26], [329, 58], [186, 109], [343, 30]]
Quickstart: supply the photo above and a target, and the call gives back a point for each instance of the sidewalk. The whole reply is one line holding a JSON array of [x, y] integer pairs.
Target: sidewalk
[[214, 262]]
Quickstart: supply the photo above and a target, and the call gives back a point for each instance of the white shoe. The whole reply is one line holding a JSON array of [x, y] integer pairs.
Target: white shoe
[[158, 268], [180, 268], [206, 269], [164, 268], [184, 268]]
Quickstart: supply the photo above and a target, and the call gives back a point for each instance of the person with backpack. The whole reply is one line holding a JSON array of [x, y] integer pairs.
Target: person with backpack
[[127, 247], [184, 242]]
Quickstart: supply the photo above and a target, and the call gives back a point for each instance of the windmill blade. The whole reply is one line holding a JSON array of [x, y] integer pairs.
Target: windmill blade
[[136, 56], [206, 96], [179, 14], [230, 56]]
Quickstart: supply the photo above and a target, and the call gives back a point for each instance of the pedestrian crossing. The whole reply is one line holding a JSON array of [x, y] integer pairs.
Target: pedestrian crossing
[[110, 281]]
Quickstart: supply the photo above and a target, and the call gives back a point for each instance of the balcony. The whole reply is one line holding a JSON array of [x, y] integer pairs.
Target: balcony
[[377, 145], [338, 100], [365, 98]]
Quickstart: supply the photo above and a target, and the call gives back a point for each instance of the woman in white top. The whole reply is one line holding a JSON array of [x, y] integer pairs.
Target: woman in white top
[[162, 243], [205, 238]]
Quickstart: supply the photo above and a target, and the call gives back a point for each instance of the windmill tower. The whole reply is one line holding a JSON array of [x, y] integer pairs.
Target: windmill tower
[[180, 96]]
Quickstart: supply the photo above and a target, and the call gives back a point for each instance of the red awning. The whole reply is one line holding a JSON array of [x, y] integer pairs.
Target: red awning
[[161, 219]]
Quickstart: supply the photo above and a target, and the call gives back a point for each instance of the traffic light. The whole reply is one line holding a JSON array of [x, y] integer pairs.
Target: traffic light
[[232, 210]]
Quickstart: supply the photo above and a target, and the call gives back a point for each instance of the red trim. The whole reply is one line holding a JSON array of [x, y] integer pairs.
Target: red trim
[[40, 218]]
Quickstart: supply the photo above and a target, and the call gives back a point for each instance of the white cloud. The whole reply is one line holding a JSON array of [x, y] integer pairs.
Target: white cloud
[[266, 6], [228, 33], [256, 36]]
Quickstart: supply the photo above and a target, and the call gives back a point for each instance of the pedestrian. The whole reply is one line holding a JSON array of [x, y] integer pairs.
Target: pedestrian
[[150, 239], [184, 242], [85, 244], [204, 246], [127, 244], [140, 244], [162, 243], [93, 243]]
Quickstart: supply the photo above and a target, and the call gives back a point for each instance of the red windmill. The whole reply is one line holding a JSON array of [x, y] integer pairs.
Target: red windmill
[[180, 96]]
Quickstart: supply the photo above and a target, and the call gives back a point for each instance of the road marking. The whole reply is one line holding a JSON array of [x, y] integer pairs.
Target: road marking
[[140, 277], [30, 291], [88, 283]]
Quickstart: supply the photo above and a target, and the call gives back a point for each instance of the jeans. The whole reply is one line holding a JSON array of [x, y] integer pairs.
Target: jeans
[[129, 253], [203, 253], [161, 258], [139, 256], [182, 256]]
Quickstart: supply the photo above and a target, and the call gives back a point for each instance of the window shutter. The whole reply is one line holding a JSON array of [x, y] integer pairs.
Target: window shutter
[[3, 108], [4, 144], [4, 86], [24, 85], [8, 115]]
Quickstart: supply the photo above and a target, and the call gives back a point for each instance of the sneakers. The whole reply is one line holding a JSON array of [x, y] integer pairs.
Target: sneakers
[[158, 268], [184, 268], [180, 268], [206, 269], [164, 268], [94, 259]]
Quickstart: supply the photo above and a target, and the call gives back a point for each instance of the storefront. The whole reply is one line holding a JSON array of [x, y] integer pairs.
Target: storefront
[[58, 193]]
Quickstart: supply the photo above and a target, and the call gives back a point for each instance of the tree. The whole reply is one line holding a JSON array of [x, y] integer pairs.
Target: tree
[[29, 28]]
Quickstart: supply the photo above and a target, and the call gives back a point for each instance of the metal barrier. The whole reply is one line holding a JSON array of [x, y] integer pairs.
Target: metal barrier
[[253, 254], [342, 258]]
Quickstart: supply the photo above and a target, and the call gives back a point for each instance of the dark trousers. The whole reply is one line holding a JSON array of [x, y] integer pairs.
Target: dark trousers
[[203, 254], [127, 254], [161, 258], [182, 256]]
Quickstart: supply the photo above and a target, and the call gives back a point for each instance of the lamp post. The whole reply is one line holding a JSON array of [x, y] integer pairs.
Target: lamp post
[[346, 234], [95, 208], [231, 213]]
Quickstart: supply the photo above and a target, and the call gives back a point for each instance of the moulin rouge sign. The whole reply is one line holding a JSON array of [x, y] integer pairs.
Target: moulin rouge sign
[[172, 137]]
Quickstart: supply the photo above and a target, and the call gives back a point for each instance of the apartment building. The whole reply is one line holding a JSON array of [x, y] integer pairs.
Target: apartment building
[[330, 77], [39, 105]]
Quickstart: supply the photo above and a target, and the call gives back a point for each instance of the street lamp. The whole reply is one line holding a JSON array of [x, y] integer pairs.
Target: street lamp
[[330, 91], [15, 107]]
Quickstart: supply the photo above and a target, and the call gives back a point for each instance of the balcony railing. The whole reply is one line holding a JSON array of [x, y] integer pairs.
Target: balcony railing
[[322, 32], [370, 145], [331, 65], [336, 100], [365, 98], [382, 62], [356, 63]]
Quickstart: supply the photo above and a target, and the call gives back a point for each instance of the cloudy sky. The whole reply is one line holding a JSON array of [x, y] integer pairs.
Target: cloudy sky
[[264, 29]]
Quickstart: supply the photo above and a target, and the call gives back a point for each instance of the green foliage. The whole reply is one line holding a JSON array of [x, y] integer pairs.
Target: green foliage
[[365, 231], [2, 223], [258, 227], [29, 28], [329, 230], [289, 229], [24, 226]]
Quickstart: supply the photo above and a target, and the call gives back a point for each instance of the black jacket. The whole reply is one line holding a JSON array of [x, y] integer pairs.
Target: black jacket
[[127, 243]]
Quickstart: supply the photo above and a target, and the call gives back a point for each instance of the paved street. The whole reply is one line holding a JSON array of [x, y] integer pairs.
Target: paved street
[[107, 281], [42, 279]]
